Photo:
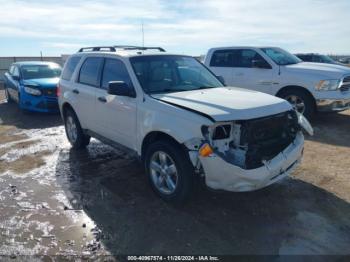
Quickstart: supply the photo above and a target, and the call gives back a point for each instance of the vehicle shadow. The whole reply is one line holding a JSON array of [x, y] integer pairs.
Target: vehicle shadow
[[291, 217], [11, 115], [332, 128]]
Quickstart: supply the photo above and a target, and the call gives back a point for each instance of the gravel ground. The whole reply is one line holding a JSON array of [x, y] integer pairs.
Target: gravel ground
[[55, 201]]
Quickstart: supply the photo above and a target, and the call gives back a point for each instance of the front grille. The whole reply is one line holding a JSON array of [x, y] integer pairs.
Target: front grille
[[52, 105], [267, 137], [346, 84], [346, 79], [49, 92]]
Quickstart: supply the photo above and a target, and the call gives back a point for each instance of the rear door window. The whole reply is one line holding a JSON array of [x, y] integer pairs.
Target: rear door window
[[90, 71], [70, 67], [305, 58], [114, 70], [317, 59], [223, 58]]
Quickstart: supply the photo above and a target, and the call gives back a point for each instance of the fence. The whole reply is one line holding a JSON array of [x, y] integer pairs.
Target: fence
[[5, 62]]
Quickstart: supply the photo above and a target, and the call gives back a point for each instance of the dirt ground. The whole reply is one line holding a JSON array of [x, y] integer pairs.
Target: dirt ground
[[55, 201]]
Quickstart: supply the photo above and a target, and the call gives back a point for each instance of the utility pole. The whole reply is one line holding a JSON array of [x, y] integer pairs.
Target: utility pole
[[143, 35], [41, 55]]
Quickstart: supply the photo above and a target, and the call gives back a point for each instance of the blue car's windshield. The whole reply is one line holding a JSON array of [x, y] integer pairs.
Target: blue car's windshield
[[40, 71], [172, 73], [280, 56]]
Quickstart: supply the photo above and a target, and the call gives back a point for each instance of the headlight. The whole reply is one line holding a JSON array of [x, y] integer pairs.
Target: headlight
[[32, 91], [328, 85], [305, 124]]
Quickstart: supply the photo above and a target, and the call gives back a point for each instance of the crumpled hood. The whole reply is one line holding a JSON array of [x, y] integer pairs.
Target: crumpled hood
[[227, 103], [327, 70], [42, 82]]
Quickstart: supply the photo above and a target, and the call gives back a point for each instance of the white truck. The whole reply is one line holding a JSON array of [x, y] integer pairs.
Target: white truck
[[178, 118], [309, 87]]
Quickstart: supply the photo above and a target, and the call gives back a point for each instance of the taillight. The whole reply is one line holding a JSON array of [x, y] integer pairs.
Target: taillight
[[58, 90]]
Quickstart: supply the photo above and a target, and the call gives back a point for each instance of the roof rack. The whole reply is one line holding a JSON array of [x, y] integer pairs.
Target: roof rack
[[97, 48], [130, 47], [114, 48]]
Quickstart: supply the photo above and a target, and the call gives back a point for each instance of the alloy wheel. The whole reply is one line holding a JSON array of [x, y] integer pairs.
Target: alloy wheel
[[72, 130], [164, 173], [7, 96], [297, 102]]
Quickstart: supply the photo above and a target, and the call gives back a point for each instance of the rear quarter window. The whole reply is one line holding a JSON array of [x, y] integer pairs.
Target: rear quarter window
[[70, 66]]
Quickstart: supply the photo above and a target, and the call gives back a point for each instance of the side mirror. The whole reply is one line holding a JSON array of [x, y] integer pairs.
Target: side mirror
[[16, 78], [260, 64], [120, 88], [221, 79]]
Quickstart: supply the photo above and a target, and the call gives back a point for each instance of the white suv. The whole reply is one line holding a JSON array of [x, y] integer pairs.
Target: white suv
[[178, 118], [309, 87]]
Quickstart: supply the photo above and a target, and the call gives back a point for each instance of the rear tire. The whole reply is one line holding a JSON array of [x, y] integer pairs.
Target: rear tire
[[170, 171], [74, 132], [300, 100]]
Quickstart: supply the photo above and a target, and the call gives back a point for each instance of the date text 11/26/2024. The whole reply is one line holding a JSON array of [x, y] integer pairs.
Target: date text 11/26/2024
[[173, 258]]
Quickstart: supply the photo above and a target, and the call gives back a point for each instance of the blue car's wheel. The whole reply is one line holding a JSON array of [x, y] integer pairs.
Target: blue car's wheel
[[21, 107], [7, 96]]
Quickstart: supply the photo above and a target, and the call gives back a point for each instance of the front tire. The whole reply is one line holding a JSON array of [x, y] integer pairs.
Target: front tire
[[7, 95], [74, 132], [169, 171], [300, 100]]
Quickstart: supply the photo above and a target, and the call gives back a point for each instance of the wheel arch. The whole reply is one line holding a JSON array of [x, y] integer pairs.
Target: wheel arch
[[156, 136], [65, 107], [295, 87]]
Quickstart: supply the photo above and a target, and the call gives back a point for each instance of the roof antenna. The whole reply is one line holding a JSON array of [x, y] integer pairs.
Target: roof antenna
[[143, 35]]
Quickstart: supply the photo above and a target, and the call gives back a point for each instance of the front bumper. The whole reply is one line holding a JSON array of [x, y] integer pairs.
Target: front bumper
[[329, 105], [221, 175], [46, 104], [332, 101]]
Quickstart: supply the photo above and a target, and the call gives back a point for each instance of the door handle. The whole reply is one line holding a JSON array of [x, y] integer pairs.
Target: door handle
[[102, 99], [75, 91]]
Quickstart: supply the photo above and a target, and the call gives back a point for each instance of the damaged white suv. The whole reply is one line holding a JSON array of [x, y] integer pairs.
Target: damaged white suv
[[173, 113]]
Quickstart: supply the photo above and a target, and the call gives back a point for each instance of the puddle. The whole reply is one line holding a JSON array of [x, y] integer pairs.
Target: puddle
[[24, 163], [20, 145], [8, 134]]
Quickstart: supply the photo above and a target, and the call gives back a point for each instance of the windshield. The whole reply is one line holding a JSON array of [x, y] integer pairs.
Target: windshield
[[280, 56], [40, 71], [327, 59], [171, 73]]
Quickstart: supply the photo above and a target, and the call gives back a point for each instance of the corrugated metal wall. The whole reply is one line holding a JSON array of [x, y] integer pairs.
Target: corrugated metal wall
[[5, 62]]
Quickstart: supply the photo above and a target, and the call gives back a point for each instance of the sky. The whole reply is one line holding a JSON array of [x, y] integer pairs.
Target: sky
[[186, 27]]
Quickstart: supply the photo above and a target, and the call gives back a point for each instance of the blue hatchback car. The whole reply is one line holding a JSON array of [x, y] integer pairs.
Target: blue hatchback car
[[33, 85]]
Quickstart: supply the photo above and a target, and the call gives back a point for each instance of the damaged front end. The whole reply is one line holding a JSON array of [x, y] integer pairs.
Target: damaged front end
[[245, 155]]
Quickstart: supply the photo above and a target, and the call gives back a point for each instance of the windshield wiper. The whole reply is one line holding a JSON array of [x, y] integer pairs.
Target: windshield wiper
[[206, 87], [289, 63], [172, 90], [169, 90]]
